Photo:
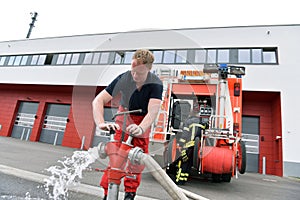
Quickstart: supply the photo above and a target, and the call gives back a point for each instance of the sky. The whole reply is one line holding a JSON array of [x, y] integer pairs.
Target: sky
[[78, 17]]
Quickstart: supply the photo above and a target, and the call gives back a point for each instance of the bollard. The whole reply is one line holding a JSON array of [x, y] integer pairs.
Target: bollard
[[264, 165], [27, 135], [23, 132], [55, 139], [82, 142]]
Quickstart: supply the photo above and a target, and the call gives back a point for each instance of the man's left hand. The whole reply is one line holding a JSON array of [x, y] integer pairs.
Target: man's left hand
[[135, 129]]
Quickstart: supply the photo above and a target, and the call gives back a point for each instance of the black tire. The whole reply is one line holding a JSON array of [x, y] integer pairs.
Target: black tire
[[241, 160], [196, 153]]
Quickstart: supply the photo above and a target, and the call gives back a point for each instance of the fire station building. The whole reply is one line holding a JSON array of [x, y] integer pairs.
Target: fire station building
[[47, 84]]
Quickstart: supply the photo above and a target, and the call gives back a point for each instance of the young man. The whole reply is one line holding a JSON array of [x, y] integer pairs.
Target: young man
[[139, 89]]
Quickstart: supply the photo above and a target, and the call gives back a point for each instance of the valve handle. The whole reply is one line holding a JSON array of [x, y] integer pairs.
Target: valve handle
[[111, 132]]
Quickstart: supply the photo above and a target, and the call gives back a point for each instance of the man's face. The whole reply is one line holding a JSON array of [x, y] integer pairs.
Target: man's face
[[139, 72]]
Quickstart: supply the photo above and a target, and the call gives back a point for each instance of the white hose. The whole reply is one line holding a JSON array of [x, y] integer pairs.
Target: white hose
[[162, 178], [192, 195]]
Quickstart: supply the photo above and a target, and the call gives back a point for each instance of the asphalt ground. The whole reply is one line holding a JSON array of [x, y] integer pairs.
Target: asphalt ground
[[29, 160], [23, 164]]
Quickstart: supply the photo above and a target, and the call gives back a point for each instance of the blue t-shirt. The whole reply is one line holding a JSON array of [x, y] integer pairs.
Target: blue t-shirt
[[131, 97]]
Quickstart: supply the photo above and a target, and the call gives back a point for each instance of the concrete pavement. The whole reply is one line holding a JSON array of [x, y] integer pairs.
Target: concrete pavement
[[28, 160]]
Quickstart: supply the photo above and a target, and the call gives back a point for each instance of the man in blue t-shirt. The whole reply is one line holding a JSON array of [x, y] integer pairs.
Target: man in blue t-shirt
[[139, 89]]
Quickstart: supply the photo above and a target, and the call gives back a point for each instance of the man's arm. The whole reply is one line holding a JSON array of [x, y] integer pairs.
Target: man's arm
[[98, 111], [153, 109]]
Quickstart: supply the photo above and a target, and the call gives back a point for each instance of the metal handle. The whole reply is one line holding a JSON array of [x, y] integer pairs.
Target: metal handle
[[127, 112]]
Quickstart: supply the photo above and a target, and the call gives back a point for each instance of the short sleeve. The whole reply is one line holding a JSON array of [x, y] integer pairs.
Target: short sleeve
[[114, 87]]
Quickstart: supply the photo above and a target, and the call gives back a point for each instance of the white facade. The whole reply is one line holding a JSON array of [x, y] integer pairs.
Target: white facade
[[281, 77]]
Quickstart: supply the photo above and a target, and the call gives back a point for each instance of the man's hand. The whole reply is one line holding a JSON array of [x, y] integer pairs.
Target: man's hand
[[108, 126], [135, 129]]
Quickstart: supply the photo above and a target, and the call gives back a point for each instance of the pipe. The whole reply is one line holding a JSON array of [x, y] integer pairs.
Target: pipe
[[113, 191], [137, 156]]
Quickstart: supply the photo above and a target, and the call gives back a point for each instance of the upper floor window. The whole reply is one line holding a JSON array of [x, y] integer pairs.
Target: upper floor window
[[2, 60], [169, 56], [11, 60], [119, 56], [200, 56], [24, 60], [223, 55], [67, 58], [211, 56], [181, 56], [104, 59], [158, 55], [17, 60], [257, 56], [96, 58], [244, 55], [41, 60], [75, 58], [88, 58], [128, 57], [269, 55]]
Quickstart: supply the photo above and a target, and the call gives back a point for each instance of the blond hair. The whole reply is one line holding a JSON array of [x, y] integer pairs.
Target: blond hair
[[144, 56]]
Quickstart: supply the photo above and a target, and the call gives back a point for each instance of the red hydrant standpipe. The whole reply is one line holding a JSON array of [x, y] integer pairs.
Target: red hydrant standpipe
[[117, 159], [118, 155]]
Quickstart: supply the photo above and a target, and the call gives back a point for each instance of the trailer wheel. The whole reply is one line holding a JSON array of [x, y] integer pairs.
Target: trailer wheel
[[173, 153], [196, 153], [241, 159]]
